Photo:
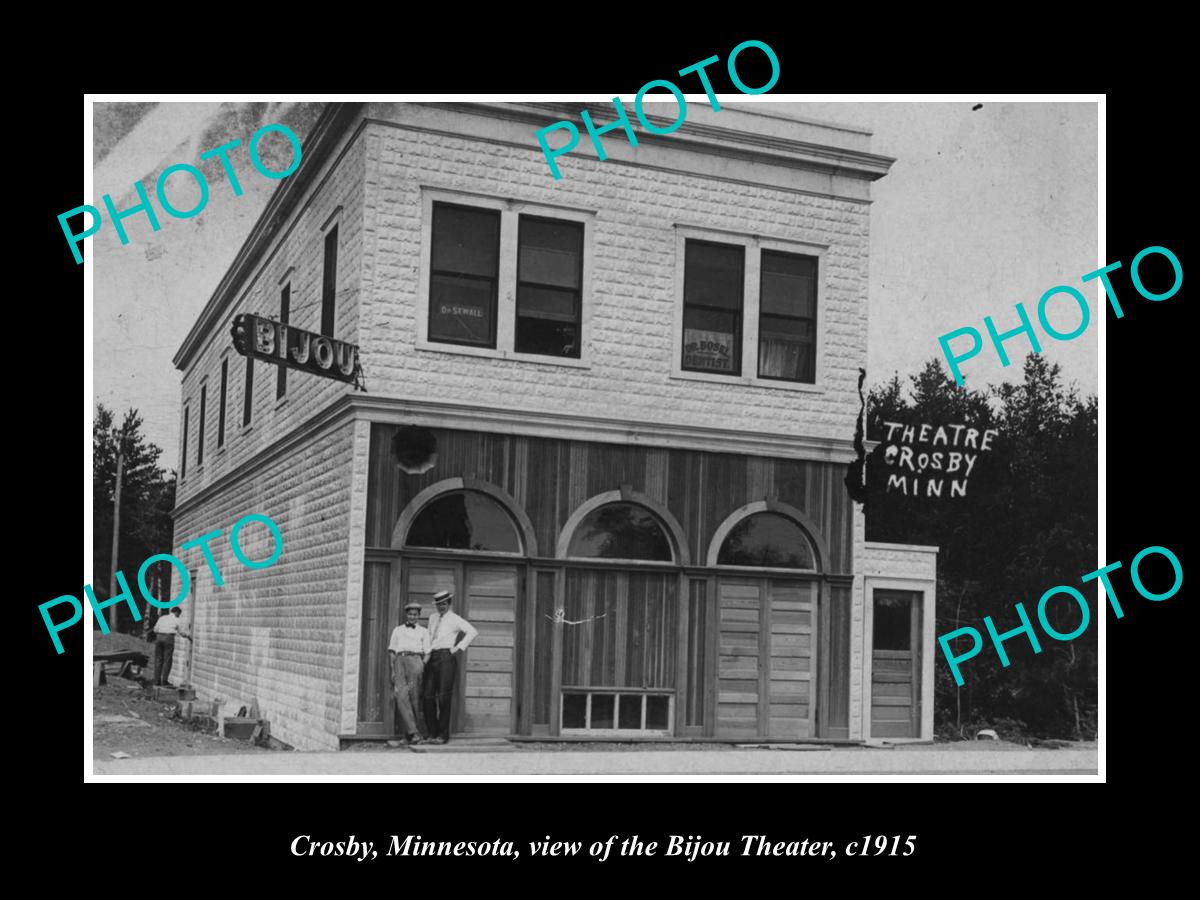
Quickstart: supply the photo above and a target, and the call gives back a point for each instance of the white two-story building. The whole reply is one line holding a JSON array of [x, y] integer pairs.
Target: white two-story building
[[613, 412]]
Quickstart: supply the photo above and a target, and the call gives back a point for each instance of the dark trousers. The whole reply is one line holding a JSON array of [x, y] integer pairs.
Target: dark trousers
[[164, 651], [437, 694]]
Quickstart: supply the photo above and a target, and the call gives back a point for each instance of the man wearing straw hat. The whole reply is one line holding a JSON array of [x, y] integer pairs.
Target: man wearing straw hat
[[408, 651], [449, 635]]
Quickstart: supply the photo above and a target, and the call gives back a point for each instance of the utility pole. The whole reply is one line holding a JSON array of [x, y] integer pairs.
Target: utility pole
[[112, 579]]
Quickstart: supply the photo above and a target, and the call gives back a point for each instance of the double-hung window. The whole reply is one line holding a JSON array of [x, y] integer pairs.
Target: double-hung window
[[748, 309], [505, 279], [712, 307], [787, 317], [464, 275], [549, 286]]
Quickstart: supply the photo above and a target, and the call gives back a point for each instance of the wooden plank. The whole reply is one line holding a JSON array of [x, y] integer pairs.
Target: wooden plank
[[471, 693], [782, 617], [490, 665], [793, 607], [788, 691], [738, 615], [891, 677], [803, 641], [789, 675], [740, 685], [490, 679], [746, 714], [892, 689], [879, 664], [789, 711], [790, 663], [891, 713], [791, 653], [488, 706], [730, 697], [891, 729], [781, 628], [739, 627], [905, 655], [790, 728], [739, 589], [479, 653], [738, 639], [729, 650], [905, 701]]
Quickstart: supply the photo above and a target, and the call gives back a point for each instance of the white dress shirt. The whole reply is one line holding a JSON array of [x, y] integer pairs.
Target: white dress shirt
[[169, 624], [411, 640], [446, 629]]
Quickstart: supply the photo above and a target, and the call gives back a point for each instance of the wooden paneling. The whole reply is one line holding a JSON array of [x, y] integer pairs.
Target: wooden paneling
[[837, 720], [488, 668], [552, 477], [624, 631], [738, 658], [697, 632], [896, 679], [543, 639], [791, 674], [374, 687]]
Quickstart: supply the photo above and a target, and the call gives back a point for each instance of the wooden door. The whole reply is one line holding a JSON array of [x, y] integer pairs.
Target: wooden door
[[791, 659], [896, 664], [739, 670], [766, 658], [487, 667], [423, 580]]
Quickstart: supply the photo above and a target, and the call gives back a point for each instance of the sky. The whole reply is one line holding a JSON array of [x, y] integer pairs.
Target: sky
[[983, 208]]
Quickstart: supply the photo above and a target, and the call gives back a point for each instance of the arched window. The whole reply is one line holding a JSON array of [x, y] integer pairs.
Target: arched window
[[767, 540], [464, 520], [621, 531]]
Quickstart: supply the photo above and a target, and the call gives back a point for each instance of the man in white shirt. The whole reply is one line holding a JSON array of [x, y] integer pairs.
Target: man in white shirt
[[449, 636], [165, 630], [408, 651]]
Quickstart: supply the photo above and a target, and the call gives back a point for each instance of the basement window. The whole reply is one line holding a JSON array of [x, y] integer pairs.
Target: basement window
[[616, 711]]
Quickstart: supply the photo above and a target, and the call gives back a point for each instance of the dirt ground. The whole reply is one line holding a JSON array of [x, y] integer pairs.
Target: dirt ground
[[125, 718]]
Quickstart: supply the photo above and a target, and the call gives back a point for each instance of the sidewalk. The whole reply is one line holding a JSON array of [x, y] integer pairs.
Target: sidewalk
[[861, 761]]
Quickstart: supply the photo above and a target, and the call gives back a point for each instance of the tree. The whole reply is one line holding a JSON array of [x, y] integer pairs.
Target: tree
[[147, 498], [1026, 524]]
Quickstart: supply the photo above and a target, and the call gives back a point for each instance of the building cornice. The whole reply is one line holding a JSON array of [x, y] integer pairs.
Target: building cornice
[[703, 136], [461, 417]]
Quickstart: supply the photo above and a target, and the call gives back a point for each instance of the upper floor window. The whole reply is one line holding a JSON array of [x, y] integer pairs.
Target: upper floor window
[[549, 286], [787, 318], [505, 279], [200, 430], [285, 314], [712, 307], [464, 275], [183, 452], [221, 414], [248, 392], [748, 309], [329, 283]]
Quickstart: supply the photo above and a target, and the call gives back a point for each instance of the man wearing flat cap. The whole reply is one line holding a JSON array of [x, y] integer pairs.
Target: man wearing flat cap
[[408, 651], [449, 635]]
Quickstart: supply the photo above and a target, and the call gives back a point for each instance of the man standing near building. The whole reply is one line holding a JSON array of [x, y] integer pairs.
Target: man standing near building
[[450, 635], [165, 631], [408, 651]]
